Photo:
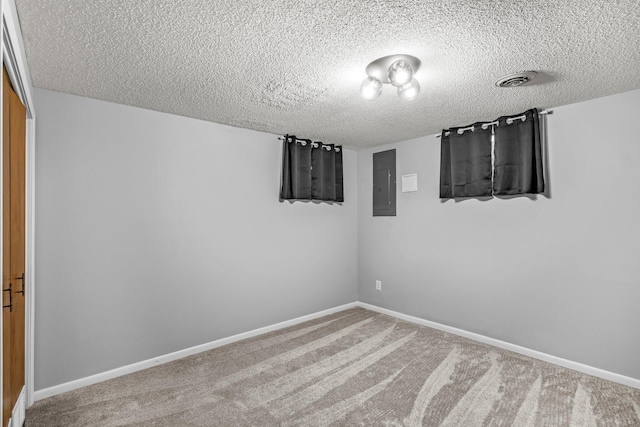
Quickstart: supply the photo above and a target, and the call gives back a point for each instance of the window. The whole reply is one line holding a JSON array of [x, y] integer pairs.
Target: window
[[311, 171], [503, 157]]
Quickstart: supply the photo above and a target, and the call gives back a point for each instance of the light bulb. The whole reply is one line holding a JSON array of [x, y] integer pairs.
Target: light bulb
[[400, 73], [371, 88], [410, 91]]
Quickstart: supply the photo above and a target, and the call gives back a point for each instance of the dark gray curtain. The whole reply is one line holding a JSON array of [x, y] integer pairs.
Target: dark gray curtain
[[311, 171], [518, 155], [465, 159], [465, 162]]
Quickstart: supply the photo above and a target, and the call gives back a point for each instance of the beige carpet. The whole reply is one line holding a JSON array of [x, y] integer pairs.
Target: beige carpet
[[353, 368]]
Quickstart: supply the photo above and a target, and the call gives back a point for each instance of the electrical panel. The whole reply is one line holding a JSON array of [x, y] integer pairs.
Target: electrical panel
[[384, 183]]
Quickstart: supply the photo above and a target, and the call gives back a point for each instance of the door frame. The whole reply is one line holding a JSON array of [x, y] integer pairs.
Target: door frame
[[14, 60]]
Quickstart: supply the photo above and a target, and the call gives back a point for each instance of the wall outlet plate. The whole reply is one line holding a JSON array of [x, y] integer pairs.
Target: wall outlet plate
[[378, 285]]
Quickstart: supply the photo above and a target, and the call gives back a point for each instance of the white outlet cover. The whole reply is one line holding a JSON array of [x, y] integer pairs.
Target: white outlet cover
[[409, 183]]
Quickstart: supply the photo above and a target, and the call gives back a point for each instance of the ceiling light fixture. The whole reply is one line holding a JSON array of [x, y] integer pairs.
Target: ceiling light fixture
[[371, 88], [397, 70]]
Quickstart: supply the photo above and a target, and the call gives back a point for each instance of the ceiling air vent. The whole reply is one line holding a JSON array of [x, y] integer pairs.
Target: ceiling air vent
[[516, 79]]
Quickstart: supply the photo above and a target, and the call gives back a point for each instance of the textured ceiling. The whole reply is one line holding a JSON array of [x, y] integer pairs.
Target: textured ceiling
[[295, 66]]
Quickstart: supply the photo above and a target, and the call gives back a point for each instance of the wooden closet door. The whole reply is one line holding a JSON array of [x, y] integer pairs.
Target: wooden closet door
[[7, 316], [13, 244]]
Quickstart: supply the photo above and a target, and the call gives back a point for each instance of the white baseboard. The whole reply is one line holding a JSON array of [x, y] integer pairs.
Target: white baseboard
[[586, 369], [114, 373], [18, 412], [128, 369]]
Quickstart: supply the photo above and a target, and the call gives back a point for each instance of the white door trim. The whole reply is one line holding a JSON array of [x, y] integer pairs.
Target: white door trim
[[14, 59]]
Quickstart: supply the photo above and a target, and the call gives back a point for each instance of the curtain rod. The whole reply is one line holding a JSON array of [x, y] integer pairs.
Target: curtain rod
[[314, 144], [284, 138], [304, 139], [540, 113]]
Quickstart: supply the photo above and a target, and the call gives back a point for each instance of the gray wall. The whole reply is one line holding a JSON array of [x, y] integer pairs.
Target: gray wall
[[157, 232], [559, 275]]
